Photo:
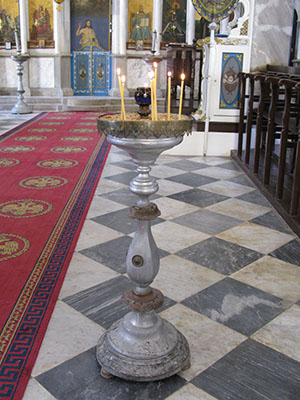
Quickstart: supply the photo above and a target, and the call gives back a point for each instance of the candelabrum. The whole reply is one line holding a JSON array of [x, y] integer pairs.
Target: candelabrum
[[20, 107], [142, 346]]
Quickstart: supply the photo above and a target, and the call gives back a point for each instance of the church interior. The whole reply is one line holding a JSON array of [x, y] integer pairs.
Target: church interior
[[228, 233]]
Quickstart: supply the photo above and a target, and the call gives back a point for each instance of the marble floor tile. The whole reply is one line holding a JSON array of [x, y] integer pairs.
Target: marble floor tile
[[238, 306], [164, 171], [289, 252], [273, 221], [124, 178], [69, 333], [123, 197], [79, 379], [255, 197], [219, 255], [205, 348], [282, 333], [198, 197], [83, 273], [242, 180], [179, 278], [256, 237], [125, 164], [207, 221], [170, 208], [112, 170], [102, 205], [173, 237], [106, 186], [227, 188], [167, 187], [273, 276], [211, 160], [192, 179], [240, 209], [93, 234], [253, 371], [187, 164], [112, 254], [35, 391], [190, 392], [218, 173], [230, 165]]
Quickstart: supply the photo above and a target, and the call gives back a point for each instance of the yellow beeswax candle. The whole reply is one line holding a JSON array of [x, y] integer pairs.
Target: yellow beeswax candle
[[169, 95], [182, 77], [120, 87], [155, 89], [151, 75], [123, 79]]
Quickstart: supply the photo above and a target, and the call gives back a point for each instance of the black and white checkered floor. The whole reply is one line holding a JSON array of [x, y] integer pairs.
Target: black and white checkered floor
[[230, 273]]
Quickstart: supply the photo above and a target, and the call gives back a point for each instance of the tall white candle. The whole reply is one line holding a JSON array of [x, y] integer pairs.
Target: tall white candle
[[17, 42]]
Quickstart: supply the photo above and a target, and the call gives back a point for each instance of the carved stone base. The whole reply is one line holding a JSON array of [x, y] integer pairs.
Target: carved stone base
[[159, 352]]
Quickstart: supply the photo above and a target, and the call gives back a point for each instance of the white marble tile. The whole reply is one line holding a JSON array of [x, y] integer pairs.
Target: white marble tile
[[273, 276], [190, 392], [218, 173], [110, 170], [83, 273], [93, 233], [163, 171], [282, 333], [240, 209], [208, 340], [173, 237], [107, 185], [101, 206], [210, 160], [256, 237], [227, 188], [34, 391], [179, 278], [69, 333], [171, 208], [167, 187], [166, 158]]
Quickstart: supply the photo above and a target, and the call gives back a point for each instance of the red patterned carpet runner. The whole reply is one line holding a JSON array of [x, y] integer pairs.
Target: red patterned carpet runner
[[49, 169]]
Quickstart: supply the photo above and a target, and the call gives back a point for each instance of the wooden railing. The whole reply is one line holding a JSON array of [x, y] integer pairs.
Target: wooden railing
[[270, 110]]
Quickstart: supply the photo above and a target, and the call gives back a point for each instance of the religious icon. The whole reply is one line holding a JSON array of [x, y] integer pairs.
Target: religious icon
[[41, 28], [174, 21], [214, 10], [8, 25], [140, 25], [88, 34]]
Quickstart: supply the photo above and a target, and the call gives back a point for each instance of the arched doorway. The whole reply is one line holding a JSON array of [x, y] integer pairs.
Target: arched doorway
[[90, 44]]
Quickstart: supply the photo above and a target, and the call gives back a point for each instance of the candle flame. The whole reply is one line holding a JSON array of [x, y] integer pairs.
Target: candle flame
[[146, 85], [118, 71], [155, 64], [123, 78], [182, 76], [169, 73]]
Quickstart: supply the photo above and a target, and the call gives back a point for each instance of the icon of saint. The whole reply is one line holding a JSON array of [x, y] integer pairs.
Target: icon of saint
[[88, 34]]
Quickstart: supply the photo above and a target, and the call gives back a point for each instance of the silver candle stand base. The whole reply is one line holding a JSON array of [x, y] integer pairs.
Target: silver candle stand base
[[142, 346], [20, 107]]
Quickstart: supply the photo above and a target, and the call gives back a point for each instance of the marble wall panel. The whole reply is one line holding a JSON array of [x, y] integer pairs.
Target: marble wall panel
[[8, 72], [41, 72], [272, 30]]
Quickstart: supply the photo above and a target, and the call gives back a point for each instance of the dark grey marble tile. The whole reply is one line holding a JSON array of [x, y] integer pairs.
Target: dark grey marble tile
[[112, 253], [242, 180], [192, 179], [198, 197], [79, 379], [220, 255], [207, 221], [187, 165], [121, 221], [102, 303], [239, 306], [255, 197], [273, 221], [231, 165], [252, 371], [289, 252], [124, 196], [123, 178], [128, 164]]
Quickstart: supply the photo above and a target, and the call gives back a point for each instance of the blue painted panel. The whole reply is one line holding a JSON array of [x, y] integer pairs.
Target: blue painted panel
[[232, 64], [101, 73], [82, 73]]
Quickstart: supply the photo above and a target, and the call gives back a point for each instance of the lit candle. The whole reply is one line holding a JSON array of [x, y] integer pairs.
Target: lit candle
[[155, 87], [182, 77], [120, 87], [151, 75], [123, 79], [169, 94], [17, 42]]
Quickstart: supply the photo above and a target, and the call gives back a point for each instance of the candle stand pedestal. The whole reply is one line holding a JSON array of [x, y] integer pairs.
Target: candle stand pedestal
[[142, 346], [20, 107]]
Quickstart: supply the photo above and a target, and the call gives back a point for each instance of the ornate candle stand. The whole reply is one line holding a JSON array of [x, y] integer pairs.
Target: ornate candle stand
[[142, 346], [21, 107]]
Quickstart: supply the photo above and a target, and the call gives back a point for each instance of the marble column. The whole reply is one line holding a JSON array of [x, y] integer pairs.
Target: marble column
[[119, 40], [24, 36], [190, 22], [157, 23], [62, 37]]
